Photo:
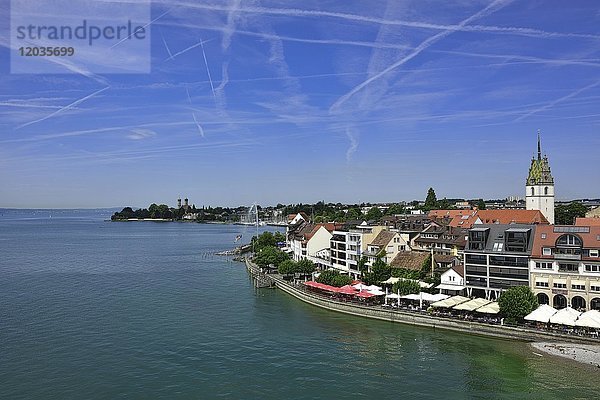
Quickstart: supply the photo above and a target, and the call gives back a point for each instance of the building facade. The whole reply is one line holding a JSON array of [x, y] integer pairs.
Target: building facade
[[348, 246], [565, 266], [496, 258]]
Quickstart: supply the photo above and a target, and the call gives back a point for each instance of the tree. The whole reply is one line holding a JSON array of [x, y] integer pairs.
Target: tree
[[443, 204], [305, 266], [374, 214], [425, 268], [394, 209], [517, 302], [480, 204], [406, 287], [287, 267], [362, 264], [354, 214], [270, 256], [334, 278], [430, 201], [279, 237], [565, 214], [267, 239], [153, 209], [380, 272]]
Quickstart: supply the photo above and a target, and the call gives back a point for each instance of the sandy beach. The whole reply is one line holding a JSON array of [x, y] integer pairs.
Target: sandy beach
[[588, 354]]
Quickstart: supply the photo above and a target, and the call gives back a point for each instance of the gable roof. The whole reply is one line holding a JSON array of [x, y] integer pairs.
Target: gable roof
[[383, 238], [460, 269], [511, 216], [409, 259]]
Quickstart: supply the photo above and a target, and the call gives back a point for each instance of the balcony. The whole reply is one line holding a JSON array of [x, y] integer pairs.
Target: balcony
[[560, 256]]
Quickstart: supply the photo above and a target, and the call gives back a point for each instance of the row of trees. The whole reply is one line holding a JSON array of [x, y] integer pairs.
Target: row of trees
[[154, 211], [290, 267], [432, 203], [334, 278]]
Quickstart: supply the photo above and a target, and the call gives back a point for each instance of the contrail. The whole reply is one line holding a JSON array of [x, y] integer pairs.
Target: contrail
[[198, 125], [295, 12], [67, 107], [208, 70], [420, 48], [166, 47], [148, 24], [188, 95], [188, 49], [555, 102]]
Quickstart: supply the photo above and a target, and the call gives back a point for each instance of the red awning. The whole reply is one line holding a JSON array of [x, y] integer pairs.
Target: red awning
[[322, 286], [364, 294], [348, 289]]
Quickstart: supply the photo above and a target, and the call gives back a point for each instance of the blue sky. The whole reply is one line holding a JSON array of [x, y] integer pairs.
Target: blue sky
[[311, 100]]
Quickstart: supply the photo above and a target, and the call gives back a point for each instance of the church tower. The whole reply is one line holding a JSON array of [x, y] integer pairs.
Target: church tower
[[540, 185]]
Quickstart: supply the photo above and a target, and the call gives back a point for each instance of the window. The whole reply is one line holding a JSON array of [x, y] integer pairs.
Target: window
[[543, 265], [569, 240], [578, 287], [547, 251], [541, 284], [477, 239], [476, 259], [592, 268], [532, 192], [516, 240], [546, 191], [507, 261], [498, 246], [568, 267], [473, 270], [593, 253], [595, 288], [544, 236], [560, 285]]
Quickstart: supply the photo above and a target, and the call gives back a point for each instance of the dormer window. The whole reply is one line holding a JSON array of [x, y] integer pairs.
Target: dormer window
[[569, 241], [517, 239]]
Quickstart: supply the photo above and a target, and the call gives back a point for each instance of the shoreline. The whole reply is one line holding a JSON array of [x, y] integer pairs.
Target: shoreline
[[417, 319], [587, 354]]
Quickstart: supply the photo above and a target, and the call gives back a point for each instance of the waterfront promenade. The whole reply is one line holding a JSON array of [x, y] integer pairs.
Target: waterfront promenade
[[417, 318]]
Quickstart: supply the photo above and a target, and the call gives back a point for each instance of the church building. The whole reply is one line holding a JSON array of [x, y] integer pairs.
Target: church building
[[540, 185]]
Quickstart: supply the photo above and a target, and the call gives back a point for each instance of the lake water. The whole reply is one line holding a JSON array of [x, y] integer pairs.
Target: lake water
[[141, 310]]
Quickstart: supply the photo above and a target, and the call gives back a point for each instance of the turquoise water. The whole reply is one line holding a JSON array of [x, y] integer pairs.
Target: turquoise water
[[99, 310]]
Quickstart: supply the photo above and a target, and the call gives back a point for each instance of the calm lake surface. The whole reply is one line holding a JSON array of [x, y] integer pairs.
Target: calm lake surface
[[141, 310]]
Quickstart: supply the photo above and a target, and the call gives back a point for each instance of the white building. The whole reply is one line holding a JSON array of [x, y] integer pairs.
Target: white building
[[347, 247], [452, 281]]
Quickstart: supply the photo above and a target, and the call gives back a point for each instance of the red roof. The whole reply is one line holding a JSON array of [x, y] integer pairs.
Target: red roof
[[509, 216], [587, 221], [545, 236], [447, 213]]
